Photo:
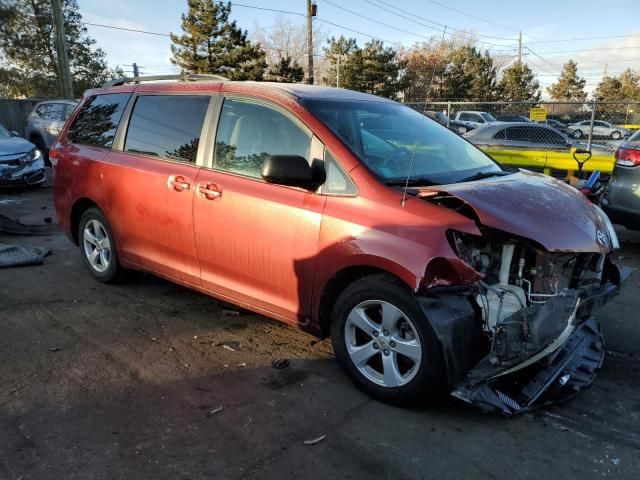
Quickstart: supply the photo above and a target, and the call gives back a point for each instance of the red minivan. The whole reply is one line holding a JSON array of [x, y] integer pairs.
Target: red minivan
[[432, 268]]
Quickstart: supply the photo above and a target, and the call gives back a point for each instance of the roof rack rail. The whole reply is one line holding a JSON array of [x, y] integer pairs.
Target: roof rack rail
[[187, 77]]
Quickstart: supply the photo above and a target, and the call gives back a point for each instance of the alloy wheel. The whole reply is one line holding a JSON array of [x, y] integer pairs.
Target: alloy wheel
[[97, 246], [383, 343]]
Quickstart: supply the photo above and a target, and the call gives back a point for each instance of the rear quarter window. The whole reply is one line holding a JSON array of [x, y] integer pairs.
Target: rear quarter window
[[167, 126], [97, 121]]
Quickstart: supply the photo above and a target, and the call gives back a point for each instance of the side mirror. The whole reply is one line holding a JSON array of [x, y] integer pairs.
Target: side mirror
[[292, 170], [14, 133]]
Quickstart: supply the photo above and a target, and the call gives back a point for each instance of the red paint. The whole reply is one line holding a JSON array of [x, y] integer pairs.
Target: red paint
[[274, 249]]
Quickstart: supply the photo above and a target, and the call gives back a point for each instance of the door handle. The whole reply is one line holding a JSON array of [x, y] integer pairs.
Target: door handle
[[210, 190], [178, 183]]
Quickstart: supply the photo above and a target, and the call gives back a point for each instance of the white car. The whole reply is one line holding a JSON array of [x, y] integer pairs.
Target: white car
[[600, 129], [474, 118]]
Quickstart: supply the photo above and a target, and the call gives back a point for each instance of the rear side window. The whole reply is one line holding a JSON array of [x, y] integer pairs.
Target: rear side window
[[55, 112], [248, 132], [167, 126], [500, 135], [42, 109], [97, 120], [519, 134]]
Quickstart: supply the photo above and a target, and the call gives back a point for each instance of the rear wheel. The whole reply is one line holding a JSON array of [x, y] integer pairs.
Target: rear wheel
[[385, 343], [97, 246], [616, 135]]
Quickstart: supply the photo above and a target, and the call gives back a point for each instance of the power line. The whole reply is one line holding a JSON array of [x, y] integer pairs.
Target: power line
[[590, 50], [377, 21], [577, 39], [468, 35], [126, 29], [449, 27], [544, 59], [356, 31], [473, 16]]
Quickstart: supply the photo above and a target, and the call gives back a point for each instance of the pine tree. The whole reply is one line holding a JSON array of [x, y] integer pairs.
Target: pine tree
[[286, 72], [211, 44], [372, 69], [343, 57], [470, 76], [624, 87], [381, 71], [569, 87], [518, 83], [28, 50]]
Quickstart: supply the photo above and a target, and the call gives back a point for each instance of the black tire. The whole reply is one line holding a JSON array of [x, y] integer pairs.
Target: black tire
[[428, 383], [616, 135], [113, 272], [577, 134], [39, 143]]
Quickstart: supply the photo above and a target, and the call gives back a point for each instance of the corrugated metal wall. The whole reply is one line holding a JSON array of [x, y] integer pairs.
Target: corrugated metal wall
[[13, 113]]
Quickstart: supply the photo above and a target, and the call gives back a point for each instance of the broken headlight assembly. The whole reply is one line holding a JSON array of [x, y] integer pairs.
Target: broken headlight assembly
[[30, 157]]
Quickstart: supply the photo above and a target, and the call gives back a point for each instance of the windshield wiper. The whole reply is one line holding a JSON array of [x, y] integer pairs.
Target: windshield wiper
[[481, 175], [413, 182]]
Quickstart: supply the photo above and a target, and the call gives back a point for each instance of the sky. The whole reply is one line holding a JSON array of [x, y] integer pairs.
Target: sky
[[553, 31]]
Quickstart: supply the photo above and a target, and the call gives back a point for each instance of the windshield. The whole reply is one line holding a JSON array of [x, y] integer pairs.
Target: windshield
[[4, 133], [488, 117], [386, 136]]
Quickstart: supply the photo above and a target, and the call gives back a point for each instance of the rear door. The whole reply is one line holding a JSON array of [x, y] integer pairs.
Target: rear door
[[149, 180], [257, 242]]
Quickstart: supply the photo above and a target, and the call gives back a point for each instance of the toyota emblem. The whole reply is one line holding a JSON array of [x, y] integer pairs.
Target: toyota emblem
[[602, 238]]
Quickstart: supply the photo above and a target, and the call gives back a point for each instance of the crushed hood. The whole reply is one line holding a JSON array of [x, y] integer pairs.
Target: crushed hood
[[14, 145], [532, 206]]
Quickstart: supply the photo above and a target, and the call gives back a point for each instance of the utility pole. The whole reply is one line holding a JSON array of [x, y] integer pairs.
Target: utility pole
[[312, 10], [136, 72], [604, 75], [520, 48], [61, 45]]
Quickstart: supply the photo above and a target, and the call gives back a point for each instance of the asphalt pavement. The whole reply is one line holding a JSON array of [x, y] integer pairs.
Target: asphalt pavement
[[151, 380]]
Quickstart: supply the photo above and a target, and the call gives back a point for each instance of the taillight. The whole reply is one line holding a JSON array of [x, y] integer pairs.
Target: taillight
[[628, 157]]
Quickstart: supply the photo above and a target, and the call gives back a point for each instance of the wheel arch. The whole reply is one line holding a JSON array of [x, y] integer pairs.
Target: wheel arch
[[79, 207], [343, 278]]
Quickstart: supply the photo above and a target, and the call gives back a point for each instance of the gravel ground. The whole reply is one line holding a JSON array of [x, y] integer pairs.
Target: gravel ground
[[150, 380]]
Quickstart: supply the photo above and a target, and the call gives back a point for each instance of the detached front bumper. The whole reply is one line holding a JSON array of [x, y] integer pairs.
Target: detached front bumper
[[31, 173], [556, 372]]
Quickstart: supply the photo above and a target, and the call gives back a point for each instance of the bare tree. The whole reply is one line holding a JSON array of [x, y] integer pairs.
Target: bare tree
[[287, 39]]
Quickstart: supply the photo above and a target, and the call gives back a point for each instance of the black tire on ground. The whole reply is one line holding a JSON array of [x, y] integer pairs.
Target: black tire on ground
[[428, 384], [577, 134], [615, 135], [114, 272]]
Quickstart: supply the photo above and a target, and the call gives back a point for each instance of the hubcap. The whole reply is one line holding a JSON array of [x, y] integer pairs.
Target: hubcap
[[97, 246], [383, 343]]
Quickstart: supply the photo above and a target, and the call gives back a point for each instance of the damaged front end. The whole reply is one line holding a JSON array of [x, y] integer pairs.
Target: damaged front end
[[26, 168], [525, 334]]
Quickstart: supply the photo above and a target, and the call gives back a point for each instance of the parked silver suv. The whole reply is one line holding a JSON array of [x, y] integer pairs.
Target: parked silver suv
[[45, 122]]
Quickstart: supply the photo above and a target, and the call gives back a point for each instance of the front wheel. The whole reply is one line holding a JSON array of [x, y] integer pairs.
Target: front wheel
[[616, 135], [577, 134], [98, 247], [385, 343]]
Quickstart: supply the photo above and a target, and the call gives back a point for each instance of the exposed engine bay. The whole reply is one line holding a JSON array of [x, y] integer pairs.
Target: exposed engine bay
[[518, 275], [524, 334]]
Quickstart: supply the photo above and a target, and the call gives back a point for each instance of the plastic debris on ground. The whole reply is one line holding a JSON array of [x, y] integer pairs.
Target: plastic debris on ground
[[313, 441], [17, 256]]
